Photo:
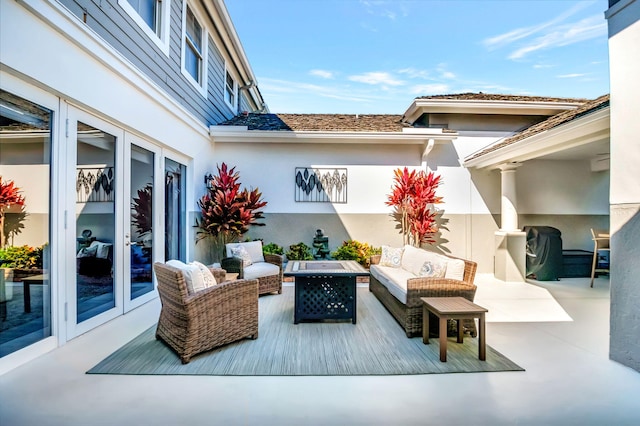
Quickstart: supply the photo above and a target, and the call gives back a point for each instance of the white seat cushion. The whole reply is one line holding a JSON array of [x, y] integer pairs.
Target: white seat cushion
[[394, 279], [260, 269], [254, 248]]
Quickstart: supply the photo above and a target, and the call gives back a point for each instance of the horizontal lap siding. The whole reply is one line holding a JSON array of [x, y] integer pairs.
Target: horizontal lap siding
[[109, 20]]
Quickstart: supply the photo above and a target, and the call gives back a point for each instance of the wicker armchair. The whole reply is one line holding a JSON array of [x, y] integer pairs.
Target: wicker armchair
[[268, 282], [195, 323], [409, 315]]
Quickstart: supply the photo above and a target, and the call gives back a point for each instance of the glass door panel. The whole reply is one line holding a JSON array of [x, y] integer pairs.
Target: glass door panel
[[95, 221], [140, 237], [175, 210]]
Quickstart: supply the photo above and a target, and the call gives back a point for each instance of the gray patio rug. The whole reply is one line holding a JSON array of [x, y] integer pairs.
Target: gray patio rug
[[376, 345]]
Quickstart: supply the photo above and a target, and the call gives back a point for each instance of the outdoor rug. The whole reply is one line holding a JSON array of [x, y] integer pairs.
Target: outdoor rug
[[376, 345]]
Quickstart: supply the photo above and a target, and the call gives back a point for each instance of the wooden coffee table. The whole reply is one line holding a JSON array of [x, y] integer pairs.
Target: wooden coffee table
[[456, 308], [324, 289]]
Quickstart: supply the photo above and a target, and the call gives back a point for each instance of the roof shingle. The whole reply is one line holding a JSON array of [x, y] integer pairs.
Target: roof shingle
[[498, 97], [319, 122], [548, 124]]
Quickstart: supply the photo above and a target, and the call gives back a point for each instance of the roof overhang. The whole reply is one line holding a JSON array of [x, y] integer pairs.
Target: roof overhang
[[589, 129], [241, 134], [452, 106]]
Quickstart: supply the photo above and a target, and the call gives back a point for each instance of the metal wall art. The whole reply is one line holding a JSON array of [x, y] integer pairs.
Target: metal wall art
[[95, 184], [321, 185]]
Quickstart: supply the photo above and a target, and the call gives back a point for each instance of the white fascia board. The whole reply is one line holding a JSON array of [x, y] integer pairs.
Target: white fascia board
[[452, 106], [239, 134], [223, 23], [67, 24], [581, 131]]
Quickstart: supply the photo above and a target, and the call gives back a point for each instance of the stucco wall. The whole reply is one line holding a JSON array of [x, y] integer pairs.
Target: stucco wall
[[624, 53]]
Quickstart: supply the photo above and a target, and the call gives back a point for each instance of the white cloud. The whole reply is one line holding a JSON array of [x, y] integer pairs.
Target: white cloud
[[574, 75], [377, 78], [541, 66], [564, 35], [415, 73], [498, 41], [429, 89], [321, 74]]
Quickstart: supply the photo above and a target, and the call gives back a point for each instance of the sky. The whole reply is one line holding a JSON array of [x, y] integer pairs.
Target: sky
[[375, 57]]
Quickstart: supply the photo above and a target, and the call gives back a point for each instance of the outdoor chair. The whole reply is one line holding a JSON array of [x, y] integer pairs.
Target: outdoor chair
[[191, 323], [600, 243], [249, 262]]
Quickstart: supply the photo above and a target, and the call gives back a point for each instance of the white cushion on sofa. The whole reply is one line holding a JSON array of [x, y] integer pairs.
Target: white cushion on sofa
[[254, 248], [414, 258], [259, 270], [455, 269], [391, 256], [394, 279]]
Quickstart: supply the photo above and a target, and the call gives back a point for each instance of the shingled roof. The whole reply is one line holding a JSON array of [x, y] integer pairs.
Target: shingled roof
[[497, 97], [548, 124], [319, 122]]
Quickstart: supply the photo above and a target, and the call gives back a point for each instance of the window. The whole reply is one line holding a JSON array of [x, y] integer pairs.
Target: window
[[194, 50], [230, 91], [152, 16]]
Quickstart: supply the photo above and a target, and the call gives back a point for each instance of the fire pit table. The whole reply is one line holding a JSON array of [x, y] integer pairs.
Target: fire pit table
[[324, 289]]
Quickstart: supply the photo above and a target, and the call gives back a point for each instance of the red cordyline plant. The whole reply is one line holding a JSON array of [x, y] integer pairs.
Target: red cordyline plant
[[227, 211], [413, 196], [9, 195]]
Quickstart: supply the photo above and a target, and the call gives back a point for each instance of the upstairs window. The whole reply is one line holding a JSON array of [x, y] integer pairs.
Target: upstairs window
[[152, 16], [194, 50], [230, 90]]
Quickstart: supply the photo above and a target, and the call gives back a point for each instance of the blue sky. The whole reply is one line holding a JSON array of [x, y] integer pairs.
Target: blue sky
[[367, 56]]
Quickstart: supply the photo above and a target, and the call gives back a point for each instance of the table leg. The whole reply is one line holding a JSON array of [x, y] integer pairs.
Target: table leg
[[482, 349], [425, 325], [26, 291], [460, 330], [443, 339]]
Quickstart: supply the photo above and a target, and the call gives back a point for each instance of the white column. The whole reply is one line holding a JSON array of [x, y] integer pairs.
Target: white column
[[509, 204]]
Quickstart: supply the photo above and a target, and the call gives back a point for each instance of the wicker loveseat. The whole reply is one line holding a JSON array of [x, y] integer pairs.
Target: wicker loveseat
[[400, 288], [266, 268], [191, 323]]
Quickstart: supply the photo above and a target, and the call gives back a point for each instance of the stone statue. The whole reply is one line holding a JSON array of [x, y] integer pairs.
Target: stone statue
[[321, 245]]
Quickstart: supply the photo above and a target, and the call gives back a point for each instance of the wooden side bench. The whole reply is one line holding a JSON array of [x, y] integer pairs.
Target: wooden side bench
[[456, 308]]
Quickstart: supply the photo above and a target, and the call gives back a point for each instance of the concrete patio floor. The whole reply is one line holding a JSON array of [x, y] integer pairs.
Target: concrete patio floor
[[557, 331]]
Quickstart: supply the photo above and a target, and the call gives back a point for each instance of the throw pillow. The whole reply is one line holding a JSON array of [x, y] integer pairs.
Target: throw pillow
[[391, 256], [433, 269], [209, 279], [102, 249], [192, 275], [243, 254], [87, 252], [455, 269]]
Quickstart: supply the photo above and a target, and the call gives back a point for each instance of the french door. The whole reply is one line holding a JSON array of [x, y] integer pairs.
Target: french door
[[114, 181]]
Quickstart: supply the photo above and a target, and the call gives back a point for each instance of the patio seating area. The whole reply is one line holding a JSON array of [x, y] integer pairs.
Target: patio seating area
[[558, 331]]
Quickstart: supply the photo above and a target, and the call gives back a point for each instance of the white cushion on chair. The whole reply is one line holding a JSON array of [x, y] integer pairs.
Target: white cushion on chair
[[455, 269], [254, 248], [192, 275], [259, 270]]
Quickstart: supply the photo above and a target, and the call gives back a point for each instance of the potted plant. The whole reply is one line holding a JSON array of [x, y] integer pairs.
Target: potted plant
[[299, 251], [9, 195], [413, 198], [227, 211], [355, 250], [272, 248]]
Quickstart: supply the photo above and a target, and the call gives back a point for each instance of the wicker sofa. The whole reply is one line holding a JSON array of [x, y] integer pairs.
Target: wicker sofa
[[400, 288], [266, 268], [191, 323]]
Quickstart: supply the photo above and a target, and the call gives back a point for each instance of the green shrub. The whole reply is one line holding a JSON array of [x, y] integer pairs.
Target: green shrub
[[272, 248], [355, 250], [21, 257], [299, 251]]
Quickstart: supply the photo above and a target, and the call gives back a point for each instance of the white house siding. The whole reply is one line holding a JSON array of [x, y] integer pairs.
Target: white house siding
[[624, 53]]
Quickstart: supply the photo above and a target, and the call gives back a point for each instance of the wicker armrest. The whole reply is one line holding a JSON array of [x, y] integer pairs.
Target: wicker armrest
[[233, 265], [274, 259], [218, 273], [228, 296], [375, 259], [437, 287]]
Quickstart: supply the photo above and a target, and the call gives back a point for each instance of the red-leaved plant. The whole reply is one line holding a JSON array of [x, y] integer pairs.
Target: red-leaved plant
[[9, 195], [413, 197], [226, 211]]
